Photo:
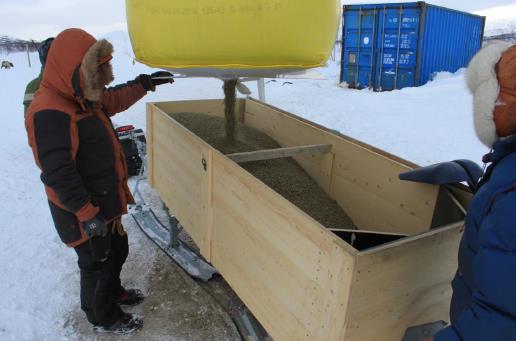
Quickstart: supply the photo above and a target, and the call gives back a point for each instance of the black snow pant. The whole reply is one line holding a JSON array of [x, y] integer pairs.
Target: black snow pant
[[100, 280]]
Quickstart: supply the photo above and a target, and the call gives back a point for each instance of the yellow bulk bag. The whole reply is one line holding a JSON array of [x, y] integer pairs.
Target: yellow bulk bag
[[246, 35]]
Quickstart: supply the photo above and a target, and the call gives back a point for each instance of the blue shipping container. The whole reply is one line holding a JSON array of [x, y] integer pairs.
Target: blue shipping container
[[393, 46]]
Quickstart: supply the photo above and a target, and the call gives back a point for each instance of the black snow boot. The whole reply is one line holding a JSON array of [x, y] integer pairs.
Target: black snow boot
[[131, 297], [126, 325]]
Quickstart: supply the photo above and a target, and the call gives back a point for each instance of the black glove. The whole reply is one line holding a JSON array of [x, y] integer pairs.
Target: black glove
[[95, 227], [149, 82], [157, 77]]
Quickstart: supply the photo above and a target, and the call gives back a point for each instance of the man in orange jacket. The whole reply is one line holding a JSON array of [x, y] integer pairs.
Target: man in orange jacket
[[83, 167]]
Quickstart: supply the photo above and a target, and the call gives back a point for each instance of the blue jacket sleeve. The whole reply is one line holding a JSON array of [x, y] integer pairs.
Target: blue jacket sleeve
[[492, 316]]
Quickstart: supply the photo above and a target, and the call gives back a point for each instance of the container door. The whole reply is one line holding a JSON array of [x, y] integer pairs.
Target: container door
[[359, 47], [397, 42]]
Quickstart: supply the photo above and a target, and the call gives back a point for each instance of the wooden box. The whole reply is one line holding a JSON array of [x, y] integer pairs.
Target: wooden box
[[300, 280]]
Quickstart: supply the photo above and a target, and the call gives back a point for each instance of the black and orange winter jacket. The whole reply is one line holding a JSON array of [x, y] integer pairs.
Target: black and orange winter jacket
[[72, 137]]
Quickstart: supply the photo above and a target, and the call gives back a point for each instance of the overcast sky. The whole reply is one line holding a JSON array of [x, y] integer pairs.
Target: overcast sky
[[38, 19]]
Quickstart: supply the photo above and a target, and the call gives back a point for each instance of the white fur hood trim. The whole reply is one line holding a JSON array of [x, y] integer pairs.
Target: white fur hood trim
[[482, 82]]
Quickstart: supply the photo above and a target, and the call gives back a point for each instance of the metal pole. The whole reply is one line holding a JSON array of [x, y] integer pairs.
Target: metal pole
[[381, 64], [28, 55], [370, 84], [261, 89], [174, 233], [398, 48], [357, 58], [423, 14], [344, 34]]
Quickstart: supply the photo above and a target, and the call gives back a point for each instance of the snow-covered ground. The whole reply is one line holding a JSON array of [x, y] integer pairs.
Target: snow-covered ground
[[425, 125]]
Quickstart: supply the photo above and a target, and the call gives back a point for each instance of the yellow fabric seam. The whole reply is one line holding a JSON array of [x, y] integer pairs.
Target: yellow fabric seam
[[231, 66]]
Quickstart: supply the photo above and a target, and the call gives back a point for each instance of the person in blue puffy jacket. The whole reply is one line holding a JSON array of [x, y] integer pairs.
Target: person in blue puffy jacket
[[483, 301]]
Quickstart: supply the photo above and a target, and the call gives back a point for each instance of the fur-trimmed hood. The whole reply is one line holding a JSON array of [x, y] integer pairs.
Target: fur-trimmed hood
[[96, 70], [77, 66], [482, 81]]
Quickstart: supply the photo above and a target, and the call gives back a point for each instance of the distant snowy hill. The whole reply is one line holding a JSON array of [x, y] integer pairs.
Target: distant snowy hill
[[499, 20]]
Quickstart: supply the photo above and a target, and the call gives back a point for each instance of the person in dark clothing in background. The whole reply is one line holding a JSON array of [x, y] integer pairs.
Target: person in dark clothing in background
[[83, 167], [33, 85], [483, 301]]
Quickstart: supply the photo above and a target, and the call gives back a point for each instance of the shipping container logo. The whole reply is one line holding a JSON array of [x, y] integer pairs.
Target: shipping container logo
[[407, 22], [406, 39], [404, 59]]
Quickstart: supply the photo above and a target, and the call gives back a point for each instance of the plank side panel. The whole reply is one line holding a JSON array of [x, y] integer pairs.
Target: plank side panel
[[403, 285], [369, 209], [180, 178], [212, 107], [149, 138], [287, 269], [356, 170]]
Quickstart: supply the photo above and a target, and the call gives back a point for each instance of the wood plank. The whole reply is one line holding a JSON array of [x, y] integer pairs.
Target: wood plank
[[211, 107], [366, 232], [292, 274], [149, 144], [369, 204], [363, 180], [269, 154], [210, 206], [180, 177], [403, 284]]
